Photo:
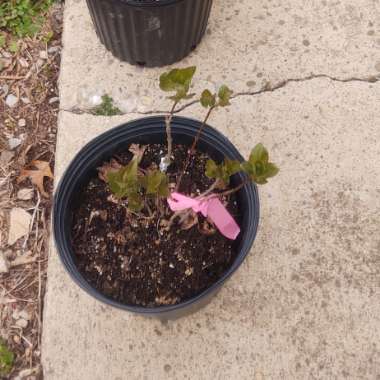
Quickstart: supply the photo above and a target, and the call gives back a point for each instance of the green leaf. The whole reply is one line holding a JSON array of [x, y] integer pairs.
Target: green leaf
[[106, 107], [48, 36], [271, 170], [118, 188], [258, 168], [135, 202], [179, 81], [13, 46], [6, 359], [124, 182], [163, 189], [249, 169], [212, 169], [23, 17], [223, 171], [224, 95], [156, 183], [231, 166], [259, 154], [208, 99]]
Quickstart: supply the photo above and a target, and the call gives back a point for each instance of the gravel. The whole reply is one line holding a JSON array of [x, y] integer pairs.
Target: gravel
[[11, 100]]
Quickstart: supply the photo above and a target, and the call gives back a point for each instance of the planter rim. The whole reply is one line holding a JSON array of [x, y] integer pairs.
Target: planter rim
[[62, 194], [151, 4]]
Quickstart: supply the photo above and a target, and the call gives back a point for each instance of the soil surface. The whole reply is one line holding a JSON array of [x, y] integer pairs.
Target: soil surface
[[137, 260]]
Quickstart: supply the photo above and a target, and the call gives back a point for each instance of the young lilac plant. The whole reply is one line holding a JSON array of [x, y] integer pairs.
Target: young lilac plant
[[138, 186]]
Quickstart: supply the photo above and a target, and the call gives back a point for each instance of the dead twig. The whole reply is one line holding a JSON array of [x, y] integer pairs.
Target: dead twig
[[32, 221], [12, 77]]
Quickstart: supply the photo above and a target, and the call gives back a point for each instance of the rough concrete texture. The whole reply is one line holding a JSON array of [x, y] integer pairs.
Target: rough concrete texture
[[249, 44], [305, 305]]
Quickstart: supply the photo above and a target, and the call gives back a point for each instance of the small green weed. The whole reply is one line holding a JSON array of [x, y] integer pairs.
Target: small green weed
[[13, 46], [6, 359], [23, 17], [106, 108]]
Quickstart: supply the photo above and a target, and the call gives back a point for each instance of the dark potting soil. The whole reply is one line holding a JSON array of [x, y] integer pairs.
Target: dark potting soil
[[136, 260]]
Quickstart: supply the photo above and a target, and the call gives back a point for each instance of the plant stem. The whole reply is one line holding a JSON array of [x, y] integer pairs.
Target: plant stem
[[195, 142], [207, 194], [209, 190], [168, 121], [231, 191], [197, 137], [148, 208], [159, 206]]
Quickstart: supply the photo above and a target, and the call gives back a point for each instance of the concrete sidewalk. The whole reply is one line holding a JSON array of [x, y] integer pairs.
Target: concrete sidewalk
[[305, 305]]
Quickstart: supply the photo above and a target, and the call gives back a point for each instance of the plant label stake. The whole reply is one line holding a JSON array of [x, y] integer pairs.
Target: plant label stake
[[210, 207]]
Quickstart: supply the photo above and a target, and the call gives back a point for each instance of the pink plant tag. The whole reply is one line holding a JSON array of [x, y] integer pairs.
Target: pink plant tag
[[209, 207]]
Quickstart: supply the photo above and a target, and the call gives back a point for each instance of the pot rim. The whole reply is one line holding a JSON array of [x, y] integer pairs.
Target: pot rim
[[152, 4], [64, 194]]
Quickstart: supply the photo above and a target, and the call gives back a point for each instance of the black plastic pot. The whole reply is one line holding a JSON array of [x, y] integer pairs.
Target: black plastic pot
[[153, 33], [146, 131]]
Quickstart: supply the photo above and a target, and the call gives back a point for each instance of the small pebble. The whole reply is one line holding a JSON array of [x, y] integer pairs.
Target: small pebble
[[53, 49], [4, 265], [23, 323], [25, 100], [43, 54], [25, 194], [21, 123], [4, 89], [14, 142], [24, 315], [16, 315], [146, 101], [95, 100], [11, 100], [5, 157], [54, 100], [26, 373], [40, 62]]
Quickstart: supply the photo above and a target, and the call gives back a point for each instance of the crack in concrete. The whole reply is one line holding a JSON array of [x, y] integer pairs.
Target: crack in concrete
[[269, 88], [265, 89]]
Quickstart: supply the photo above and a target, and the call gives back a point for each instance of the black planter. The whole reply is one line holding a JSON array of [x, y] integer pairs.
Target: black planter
[[145, 131], [154, 33]]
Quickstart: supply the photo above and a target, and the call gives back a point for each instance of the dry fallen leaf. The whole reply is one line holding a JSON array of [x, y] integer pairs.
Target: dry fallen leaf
[[108, 167], [189, 220], [138, 151], [37, 176], [25, 194], [206, 228], [19, 221]]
